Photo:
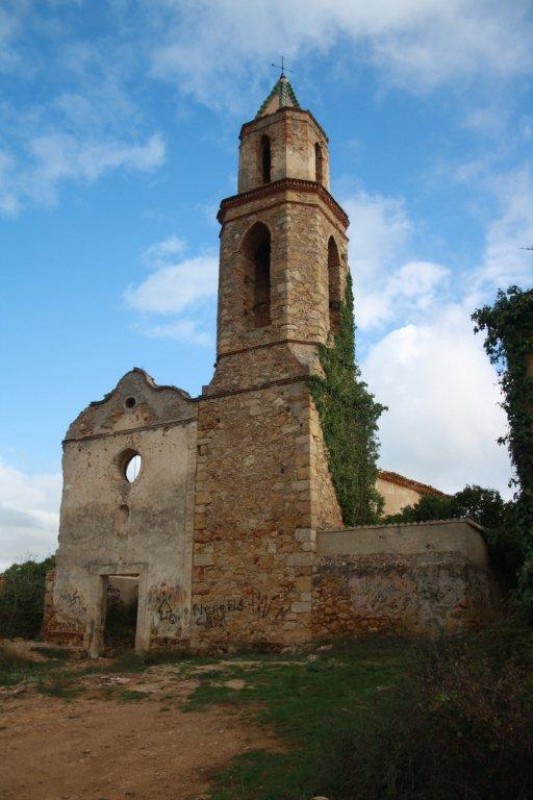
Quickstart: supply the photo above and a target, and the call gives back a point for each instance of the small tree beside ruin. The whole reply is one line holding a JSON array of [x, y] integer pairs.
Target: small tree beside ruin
[[508, 327]]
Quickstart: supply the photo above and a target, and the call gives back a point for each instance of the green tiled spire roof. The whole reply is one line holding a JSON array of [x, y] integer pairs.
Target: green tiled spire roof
[[281, 96]]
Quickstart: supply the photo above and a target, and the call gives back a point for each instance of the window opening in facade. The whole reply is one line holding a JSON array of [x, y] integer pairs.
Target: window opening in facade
[[257, 277], [266, 159], [319, 164], [132, 467], [334, 286]]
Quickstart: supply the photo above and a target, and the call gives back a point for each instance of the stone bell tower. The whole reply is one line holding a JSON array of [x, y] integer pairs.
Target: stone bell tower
[[263, 485]]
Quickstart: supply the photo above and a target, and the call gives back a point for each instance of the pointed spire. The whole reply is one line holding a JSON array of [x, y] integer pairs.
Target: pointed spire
[[281, 96]]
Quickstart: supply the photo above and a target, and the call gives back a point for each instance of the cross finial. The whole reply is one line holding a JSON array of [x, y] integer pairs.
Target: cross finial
[[282, 67]]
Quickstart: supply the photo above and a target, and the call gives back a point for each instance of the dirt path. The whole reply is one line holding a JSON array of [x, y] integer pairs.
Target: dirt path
[[106, 749]]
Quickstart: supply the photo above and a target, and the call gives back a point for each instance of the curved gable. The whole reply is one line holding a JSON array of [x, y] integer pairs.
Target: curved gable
[[136, 402]]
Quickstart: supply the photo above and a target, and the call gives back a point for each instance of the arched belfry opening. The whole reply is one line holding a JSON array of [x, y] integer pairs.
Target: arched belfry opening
[[256, 251], [334, 286], [319, 164], [266, 159]]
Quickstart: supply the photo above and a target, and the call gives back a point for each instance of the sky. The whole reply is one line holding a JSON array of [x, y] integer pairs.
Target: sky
[[119, 124]]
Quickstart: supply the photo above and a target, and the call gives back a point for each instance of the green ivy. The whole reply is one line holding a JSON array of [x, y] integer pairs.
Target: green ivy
[[349, 418], [509, 345]]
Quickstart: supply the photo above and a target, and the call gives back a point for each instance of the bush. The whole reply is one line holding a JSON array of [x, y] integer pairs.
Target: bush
[[499, 519], [459, 729], [22, 599]]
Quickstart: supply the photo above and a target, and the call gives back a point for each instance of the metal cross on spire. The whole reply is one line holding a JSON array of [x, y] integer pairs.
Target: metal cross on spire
[[283, 68]]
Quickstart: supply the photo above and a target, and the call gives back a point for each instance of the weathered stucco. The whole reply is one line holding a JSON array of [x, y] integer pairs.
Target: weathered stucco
[[413, 578], [399, 492], [110, 526]]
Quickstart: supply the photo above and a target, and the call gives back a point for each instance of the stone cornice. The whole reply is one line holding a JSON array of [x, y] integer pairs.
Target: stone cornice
[[283, 185], [255, 387], [273, 343]]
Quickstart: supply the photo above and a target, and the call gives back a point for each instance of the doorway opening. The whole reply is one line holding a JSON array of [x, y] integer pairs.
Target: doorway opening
[[120, 609]]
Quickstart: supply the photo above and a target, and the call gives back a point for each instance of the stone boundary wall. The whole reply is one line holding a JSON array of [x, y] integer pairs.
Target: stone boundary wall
[[418, 578]]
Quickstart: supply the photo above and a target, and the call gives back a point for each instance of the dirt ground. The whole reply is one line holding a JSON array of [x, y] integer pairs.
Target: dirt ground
[[115, 747]]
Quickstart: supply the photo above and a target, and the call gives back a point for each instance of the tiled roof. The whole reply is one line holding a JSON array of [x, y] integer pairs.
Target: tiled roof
[[401, 480], [281, 96]]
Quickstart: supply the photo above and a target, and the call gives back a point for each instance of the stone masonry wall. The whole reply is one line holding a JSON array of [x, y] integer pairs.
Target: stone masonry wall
[[300, 224], [255, 516], [410, 578], [293, 134]]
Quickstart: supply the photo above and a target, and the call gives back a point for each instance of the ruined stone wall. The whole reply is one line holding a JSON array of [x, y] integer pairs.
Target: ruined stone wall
[[409, 578], [256, 515], [110, 526]]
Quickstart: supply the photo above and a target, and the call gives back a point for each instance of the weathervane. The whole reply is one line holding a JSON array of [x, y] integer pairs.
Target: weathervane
[[282, 67]]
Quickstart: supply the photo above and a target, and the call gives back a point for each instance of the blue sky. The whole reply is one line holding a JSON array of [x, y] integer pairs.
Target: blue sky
[[119, 125]]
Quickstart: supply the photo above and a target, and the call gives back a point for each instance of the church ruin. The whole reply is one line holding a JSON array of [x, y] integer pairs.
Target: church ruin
[[218, 514]]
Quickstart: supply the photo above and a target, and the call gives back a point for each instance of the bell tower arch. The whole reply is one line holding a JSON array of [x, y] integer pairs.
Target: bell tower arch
[[263, 483], [283, 187]]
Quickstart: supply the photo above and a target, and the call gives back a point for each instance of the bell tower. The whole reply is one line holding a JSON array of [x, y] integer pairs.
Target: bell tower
[[263, 483]]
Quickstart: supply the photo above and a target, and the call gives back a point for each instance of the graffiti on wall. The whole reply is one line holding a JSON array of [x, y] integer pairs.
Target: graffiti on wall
[[70, 611], [166, 613], [167, 609], [255, 604]]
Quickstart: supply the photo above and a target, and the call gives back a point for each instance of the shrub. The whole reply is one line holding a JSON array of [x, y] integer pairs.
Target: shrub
[[461, 728], [22, 599], [499, 519]]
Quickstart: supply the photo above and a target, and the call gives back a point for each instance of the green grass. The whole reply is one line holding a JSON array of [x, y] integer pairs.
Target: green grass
[[15, 668], [132, 695], [311, 703], [379, 719], [384, 719], [60, 684]]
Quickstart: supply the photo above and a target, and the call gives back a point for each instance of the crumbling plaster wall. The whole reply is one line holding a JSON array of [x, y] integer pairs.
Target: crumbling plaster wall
[[110, 526], [411, 578]]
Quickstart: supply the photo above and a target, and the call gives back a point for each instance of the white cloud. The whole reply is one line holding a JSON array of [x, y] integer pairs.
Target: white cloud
[[181, 330], [442, 393], [423, 359], [58, 157], [417, 44], [389, 286], [173, 289], [29, 514], [180, 290], [509, 232], [380, 231], [157, 254], [73, 119], [456, 40]]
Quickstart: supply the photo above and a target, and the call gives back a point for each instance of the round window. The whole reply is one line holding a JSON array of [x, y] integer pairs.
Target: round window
[[133, 467]]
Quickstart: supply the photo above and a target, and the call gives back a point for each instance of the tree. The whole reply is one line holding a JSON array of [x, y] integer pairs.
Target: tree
[[508, 326], [22, 599], [488, 509]]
